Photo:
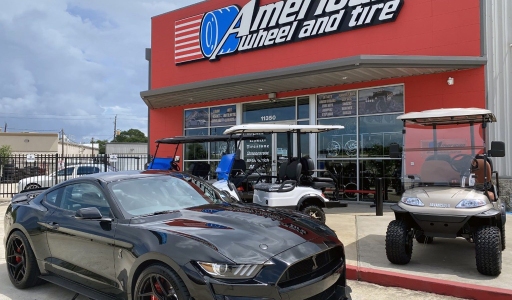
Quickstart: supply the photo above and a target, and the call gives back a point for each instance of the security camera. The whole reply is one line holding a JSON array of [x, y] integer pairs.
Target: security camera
[[450, 81]]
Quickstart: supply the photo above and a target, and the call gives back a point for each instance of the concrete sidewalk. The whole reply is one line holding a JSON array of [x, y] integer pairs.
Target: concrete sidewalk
[[446, 267]]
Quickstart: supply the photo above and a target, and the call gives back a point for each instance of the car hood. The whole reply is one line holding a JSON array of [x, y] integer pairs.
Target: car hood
[[244, 233]]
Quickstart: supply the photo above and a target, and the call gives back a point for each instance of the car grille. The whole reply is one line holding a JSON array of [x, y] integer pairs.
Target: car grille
[[305, 269]]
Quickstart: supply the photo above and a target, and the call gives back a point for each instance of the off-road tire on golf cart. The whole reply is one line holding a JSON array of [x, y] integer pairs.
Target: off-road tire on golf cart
[[488, 250], [399, 240], [314, 212], [503, 241], [423, 239]]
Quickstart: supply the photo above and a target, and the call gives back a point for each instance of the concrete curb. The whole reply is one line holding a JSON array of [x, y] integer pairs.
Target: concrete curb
[[427, 284]]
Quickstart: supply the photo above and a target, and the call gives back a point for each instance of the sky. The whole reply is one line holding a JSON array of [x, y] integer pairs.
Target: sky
[[74, 65]]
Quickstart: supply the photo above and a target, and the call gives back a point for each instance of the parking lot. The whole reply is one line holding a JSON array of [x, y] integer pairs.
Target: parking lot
[[448, 261]]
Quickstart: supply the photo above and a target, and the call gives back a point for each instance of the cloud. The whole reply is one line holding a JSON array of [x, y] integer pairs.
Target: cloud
[[75, 64]]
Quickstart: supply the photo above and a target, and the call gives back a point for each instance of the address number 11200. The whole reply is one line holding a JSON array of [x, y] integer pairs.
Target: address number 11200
[[269, 118]]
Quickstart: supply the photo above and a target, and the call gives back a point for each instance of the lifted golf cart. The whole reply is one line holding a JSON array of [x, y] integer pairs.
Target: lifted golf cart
[[449, 191], [295, 186]]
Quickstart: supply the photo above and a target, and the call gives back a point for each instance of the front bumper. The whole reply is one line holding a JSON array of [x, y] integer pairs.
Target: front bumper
[[331, 286]]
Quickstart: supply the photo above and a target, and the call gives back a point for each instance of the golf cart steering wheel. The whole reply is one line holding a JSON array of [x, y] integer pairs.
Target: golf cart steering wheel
[[175, 166], [463, 162]]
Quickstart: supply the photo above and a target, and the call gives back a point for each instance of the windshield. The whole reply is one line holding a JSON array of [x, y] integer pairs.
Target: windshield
[[442, 157], [142, 196]]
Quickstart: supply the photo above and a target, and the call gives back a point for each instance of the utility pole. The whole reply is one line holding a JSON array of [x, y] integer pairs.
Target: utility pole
[[92, 146], [62, 136], [5, 127], [115, 128]]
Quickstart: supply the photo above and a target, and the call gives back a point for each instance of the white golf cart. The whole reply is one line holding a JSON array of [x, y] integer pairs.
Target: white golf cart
[[449, 189], [294, 186]]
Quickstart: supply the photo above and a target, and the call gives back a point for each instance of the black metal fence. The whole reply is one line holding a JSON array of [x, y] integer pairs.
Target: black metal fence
[[18, 172]]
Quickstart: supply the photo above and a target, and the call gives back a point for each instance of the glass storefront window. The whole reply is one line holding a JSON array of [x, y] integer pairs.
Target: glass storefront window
[[196, 151], [381, 100], [389, 170], [304, 140], [303, 108], [377, 132], [338, 143], [268, 111]]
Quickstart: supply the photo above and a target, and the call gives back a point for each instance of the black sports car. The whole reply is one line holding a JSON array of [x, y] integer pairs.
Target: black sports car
[[167, 235]]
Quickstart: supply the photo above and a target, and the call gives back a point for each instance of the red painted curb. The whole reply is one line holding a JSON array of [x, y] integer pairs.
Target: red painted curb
[[427, 284]]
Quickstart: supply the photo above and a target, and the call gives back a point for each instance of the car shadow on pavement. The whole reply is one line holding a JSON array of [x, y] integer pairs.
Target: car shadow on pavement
[[450, 259]]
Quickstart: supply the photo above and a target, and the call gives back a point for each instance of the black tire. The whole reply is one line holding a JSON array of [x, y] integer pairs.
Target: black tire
[[423, 239], [488, 250], [399, 242], [21, 262], [32, 186], [157, 278], [315, 212], [503, 242]]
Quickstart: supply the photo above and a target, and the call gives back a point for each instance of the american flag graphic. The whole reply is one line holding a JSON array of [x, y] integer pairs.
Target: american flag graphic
[[186, 40]]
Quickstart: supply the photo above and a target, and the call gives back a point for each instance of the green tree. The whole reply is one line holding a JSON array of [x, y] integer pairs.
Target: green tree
[[5, 152], [102, 145], [131, 136]]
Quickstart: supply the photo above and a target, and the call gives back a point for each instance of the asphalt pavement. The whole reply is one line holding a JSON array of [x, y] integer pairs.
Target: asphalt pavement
[[442, 270]]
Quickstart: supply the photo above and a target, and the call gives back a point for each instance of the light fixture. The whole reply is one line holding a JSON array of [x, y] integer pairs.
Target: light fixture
[[450, 81], [272, 96], [344, 77]]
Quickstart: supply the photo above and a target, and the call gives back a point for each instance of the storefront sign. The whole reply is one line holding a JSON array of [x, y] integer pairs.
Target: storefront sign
[[223, 115], [337, 104], [232, 29]]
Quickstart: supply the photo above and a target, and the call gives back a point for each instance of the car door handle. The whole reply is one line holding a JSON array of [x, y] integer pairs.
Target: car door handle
[[53, 225]]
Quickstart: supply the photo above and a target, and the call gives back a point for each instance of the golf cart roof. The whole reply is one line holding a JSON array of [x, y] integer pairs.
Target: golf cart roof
[[449, 116], [205, 138], [269, 128]]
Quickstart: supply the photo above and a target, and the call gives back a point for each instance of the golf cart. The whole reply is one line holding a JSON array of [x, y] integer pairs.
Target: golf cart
[[449, 190], [294, 186], [200, 169]]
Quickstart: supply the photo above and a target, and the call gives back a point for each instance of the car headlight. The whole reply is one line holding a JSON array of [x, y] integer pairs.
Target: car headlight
[[230, 271], [471, 203], [412, 201]]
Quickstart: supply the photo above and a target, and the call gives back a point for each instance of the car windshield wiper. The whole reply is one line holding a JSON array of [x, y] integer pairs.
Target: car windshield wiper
[[161, 212]]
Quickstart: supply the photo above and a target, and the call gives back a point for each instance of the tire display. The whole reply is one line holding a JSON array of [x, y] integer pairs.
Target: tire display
[[488, 250], [160, 282], [399, 242]]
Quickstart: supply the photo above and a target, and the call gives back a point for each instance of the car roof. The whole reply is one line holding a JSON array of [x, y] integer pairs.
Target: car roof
[[122, 175], [449, 116], [261, 128]]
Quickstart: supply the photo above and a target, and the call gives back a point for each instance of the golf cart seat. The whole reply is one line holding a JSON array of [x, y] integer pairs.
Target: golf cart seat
[[225, 165], [308, 169], [160, 163], [483, 173], [289, 174], [199, 169]]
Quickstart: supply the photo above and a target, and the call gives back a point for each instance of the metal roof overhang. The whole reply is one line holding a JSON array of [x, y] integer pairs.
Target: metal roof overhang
[[353, 69]]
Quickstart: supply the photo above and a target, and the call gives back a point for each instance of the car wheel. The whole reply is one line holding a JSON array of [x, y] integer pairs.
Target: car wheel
[[21, 262], [32, 186], [160, 282], [314, 212], [399, 242], [423, 239], [488, 250]]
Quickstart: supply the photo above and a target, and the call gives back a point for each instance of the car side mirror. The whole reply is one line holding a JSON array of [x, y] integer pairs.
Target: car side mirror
[[88, 213], [497, 149], [394, 151]]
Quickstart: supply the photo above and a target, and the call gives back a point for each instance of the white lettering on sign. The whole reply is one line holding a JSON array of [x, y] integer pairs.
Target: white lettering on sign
[[233, 29]]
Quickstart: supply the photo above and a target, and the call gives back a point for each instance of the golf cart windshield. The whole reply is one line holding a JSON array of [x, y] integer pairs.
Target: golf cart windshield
[[443, 150]]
